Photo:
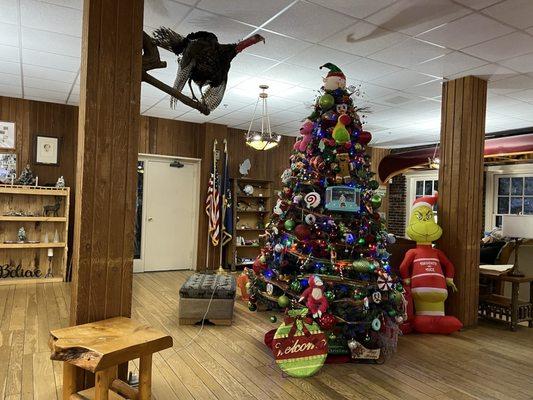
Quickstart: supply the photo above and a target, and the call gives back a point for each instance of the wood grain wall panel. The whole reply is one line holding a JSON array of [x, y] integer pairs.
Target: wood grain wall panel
[[34, 118], [108, 140], [156, 136], [461, 188]]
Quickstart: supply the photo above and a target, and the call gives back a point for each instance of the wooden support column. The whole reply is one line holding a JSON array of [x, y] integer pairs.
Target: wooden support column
[[461, 188], [106, 180]]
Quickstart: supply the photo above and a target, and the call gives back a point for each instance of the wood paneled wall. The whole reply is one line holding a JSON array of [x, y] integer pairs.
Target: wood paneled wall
[[156, 136], [34, 118], [461, 188]]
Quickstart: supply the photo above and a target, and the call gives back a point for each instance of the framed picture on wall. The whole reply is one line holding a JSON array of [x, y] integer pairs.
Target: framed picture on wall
[[7, 135], [8, 167], [46, 150]]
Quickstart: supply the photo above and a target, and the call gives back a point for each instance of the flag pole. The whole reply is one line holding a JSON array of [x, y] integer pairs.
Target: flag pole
[[213, 169], [223, 208]]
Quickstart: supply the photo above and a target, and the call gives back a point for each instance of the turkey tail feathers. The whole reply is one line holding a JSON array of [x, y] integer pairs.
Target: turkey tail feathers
[[169, 40]]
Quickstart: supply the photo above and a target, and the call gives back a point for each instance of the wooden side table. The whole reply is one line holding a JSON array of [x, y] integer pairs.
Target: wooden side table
[[99, 347], [501, 308]]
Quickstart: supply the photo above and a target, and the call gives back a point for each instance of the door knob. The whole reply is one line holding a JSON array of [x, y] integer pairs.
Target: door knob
[[150, 219]]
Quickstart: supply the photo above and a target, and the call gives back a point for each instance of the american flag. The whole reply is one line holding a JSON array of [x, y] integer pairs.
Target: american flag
[[212, 208]]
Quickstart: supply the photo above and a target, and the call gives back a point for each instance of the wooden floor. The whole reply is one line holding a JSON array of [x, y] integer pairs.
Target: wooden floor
[[232, 362]]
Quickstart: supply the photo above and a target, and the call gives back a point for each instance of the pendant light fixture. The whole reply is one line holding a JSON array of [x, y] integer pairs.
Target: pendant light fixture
[[262, 139]]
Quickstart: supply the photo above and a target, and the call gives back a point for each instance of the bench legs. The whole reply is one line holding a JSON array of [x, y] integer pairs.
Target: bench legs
[[103, 380], [69, 380], [145, 377]]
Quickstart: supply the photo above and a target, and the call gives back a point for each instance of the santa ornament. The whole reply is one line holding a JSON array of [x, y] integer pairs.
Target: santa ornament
[[335, 79], [314, 297]]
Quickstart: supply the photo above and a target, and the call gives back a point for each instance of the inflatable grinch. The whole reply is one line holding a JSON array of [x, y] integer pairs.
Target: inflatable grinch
[[426, 273]]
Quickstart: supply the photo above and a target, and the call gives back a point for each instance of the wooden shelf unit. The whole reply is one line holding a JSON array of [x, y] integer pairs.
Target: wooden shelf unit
[[31, 256], [245, 220]]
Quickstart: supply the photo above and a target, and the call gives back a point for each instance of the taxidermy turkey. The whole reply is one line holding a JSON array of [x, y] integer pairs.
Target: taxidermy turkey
[[202, 60]]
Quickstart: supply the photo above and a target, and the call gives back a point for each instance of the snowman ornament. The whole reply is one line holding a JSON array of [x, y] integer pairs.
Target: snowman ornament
[[335, 79]]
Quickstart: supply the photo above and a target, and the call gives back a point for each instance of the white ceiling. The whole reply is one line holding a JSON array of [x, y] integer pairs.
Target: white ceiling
[[398, 51]]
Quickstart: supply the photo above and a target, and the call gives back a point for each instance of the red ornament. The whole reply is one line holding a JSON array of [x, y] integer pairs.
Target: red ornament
[[348, 145], [345, 119], [327, 322], [302, 232], [365, 137]]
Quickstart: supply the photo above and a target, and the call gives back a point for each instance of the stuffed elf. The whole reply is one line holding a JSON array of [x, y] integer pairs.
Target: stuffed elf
[[426, 273], [335, 79]]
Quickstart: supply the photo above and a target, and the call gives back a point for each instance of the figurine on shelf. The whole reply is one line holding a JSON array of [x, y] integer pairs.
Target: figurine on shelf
[[60, 182], [21, 235], [26, 177], [53, 208]]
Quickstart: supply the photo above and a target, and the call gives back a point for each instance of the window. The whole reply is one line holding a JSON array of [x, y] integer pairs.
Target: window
[[514, 195], [426, 187]]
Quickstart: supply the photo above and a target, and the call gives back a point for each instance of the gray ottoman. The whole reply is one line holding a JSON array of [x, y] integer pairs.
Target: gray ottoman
[[196, 293]]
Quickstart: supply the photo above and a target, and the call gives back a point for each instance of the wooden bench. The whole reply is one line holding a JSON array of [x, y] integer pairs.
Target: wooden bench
[[100, 347]]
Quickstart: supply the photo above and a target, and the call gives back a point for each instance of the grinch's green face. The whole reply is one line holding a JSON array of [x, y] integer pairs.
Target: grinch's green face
[[422, 226]]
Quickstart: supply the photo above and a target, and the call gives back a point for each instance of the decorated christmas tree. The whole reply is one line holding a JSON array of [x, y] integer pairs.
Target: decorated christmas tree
[[326, 243]]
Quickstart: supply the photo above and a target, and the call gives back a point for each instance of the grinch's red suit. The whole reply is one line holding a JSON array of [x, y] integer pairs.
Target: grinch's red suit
[[314, 297]]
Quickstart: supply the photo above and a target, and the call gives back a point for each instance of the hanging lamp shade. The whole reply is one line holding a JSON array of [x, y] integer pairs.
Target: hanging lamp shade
[[263, 138]]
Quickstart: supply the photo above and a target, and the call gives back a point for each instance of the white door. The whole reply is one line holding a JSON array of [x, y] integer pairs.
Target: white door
[[171, 200]]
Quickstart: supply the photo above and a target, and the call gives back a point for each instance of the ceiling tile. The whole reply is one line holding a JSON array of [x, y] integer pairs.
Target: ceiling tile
[[489, 72], [416, 16], [11, 90], [363, 39], [227, 30], [277, 47], [46, 84], [44, 94], [8, 67], [512, 84], [396, 99], [9, 34], [33, 71], [73, 99], [318, 55], [9, 11], [307, 21], [466, 31], [252, 86], [51, 60], [449, 64], [477, 4], [251, 12], [408, 53], [360, 9], [523, 95], [402, 79], [365, 69], [250, 64], [164, 13], [77, 4], [9, 53], [521, 63], [10, 79], [512, 45], [52, 18], [51, 42], [369, 92], [517, 13], [430, 89], [296, 76]]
